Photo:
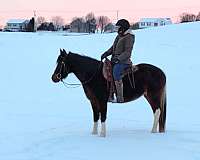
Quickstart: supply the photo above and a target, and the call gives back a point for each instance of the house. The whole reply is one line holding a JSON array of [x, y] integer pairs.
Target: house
[[154, 22], [16, 25]]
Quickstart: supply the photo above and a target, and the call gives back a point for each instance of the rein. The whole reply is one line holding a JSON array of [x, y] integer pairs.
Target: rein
[[76, 85]]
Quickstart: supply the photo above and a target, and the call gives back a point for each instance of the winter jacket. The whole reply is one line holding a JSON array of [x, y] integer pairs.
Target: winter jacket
[[122, 47]]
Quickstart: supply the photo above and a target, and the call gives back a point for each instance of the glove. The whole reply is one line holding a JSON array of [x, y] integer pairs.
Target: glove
[[103, 56], [115, 60]]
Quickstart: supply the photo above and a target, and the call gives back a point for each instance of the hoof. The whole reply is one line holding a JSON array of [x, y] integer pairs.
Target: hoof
[[153, 131], [162, 130], [102, 135], [94, 132]]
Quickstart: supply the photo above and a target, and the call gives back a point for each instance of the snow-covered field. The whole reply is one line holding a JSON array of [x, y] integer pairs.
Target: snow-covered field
[[40, 120]]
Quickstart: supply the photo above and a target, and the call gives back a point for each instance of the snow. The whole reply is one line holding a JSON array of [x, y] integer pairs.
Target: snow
[[40, 120]]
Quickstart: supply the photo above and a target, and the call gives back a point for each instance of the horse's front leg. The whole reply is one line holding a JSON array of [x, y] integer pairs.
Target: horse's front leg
[[99, 109], [95, 109], [103, 111]]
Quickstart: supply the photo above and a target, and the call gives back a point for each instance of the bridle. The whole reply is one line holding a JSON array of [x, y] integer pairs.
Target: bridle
[[59, 74], [63, 67]]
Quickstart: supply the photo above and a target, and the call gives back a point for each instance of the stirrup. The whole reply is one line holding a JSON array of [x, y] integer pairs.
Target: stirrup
[[115, 101]]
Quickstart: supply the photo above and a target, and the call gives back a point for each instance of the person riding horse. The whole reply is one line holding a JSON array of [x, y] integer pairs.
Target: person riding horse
[[121, 54]]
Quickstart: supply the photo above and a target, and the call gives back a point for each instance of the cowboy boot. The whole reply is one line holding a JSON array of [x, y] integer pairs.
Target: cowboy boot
[[119, 88]]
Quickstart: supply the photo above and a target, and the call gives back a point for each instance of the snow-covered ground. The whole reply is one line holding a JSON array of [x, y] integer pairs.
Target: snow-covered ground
[[40, 120]]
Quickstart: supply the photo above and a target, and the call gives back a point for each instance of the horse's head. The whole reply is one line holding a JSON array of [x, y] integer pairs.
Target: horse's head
[[62, 69]]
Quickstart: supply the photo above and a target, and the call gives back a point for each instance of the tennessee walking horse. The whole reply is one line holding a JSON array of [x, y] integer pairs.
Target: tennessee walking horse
[[150, 81]]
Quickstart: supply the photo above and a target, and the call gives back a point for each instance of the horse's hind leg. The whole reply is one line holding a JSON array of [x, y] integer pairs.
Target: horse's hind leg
[[155, 105], [156, 120]]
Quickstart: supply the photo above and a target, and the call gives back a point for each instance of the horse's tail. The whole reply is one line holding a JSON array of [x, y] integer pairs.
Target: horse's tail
[[163, 107]]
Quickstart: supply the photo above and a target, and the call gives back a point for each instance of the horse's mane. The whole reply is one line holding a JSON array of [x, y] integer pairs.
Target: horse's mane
[[84, 62]]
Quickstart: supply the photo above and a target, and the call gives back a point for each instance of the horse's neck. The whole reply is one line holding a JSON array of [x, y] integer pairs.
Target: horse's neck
[[83, 68]]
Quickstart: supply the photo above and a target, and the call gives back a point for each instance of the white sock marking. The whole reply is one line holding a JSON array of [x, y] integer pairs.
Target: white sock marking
[[156, 121], [103, 130], [95, 128]]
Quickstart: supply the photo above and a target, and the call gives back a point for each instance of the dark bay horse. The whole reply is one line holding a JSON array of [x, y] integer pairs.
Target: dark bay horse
[[150, 81]]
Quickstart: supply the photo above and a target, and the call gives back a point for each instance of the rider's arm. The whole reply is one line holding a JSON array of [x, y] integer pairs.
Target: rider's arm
[[129, 41]]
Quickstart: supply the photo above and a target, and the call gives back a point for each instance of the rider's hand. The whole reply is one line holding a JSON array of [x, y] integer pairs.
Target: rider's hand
[[103, 56], [115, 60]]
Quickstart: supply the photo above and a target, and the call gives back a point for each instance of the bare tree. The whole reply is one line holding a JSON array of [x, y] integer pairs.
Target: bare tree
[[187, 17], [198, 17], [89, 16], [77, 24], [40, 20], [90, 22], [57, 21], [102, 21]]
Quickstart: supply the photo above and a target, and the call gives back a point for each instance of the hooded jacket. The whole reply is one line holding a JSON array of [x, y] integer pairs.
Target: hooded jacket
[[122, 47]]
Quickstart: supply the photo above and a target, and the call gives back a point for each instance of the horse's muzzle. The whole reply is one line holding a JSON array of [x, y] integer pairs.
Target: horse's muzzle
[[55, 78]]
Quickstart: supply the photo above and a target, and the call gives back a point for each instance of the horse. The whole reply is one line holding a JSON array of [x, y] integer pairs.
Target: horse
[[150, 82]]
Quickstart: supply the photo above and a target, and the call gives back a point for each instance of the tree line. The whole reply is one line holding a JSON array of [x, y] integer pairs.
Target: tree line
[[88, 24], [189, 17]]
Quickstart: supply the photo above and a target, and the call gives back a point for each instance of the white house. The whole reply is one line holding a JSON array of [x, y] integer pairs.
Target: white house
[[16, 25], [154, 22]]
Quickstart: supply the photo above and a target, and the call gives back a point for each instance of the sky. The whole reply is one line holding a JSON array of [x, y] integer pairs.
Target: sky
[[130, 9]]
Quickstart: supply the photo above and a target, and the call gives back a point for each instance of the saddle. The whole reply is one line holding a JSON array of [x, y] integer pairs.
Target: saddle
[[107, 73], [107, 70]]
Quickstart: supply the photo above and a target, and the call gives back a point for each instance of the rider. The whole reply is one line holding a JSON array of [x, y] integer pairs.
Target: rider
[[121, 54]]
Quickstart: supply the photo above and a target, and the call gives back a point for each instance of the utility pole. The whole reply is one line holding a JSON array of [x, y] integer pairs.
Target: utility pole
[[35, 25], [117, 15]]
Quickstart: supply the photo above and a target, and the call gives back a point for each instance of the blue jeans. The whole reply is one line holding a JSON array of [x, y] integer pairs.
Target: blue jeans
[[118, 69]]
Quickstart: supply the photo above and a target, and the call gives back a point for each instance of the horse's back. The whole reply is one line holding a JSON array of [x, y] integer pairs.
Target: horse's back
[[152, 76], [146, 66], [145, 77], [151, 69]]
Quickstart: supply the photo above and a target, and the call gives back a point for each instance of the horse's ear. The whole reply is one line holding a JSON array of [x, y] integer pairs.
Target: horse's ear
[[61, 51], [64, 51]]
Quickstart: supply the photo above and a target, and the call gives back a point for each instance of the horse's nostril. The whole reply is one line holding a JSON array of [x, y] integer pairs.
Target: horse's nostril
[[58, 76]]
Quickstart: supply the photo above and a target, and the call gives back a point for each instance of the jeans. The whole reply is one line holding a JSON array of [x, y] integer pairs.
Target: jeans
[[118, 69]]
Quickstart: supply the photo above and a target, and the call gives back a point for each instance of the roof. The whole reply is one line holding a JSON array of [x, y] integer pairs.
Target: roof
[[154, 19], [17, 21]]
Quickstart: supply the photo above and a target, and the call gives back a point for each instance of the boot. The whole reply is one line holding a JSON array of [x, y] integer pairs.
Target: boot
[[119, 88]]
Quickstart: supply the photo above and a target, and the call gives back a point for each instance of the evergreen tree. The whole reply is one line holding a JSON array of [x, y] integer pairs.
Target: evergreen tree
[[30, 26]]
